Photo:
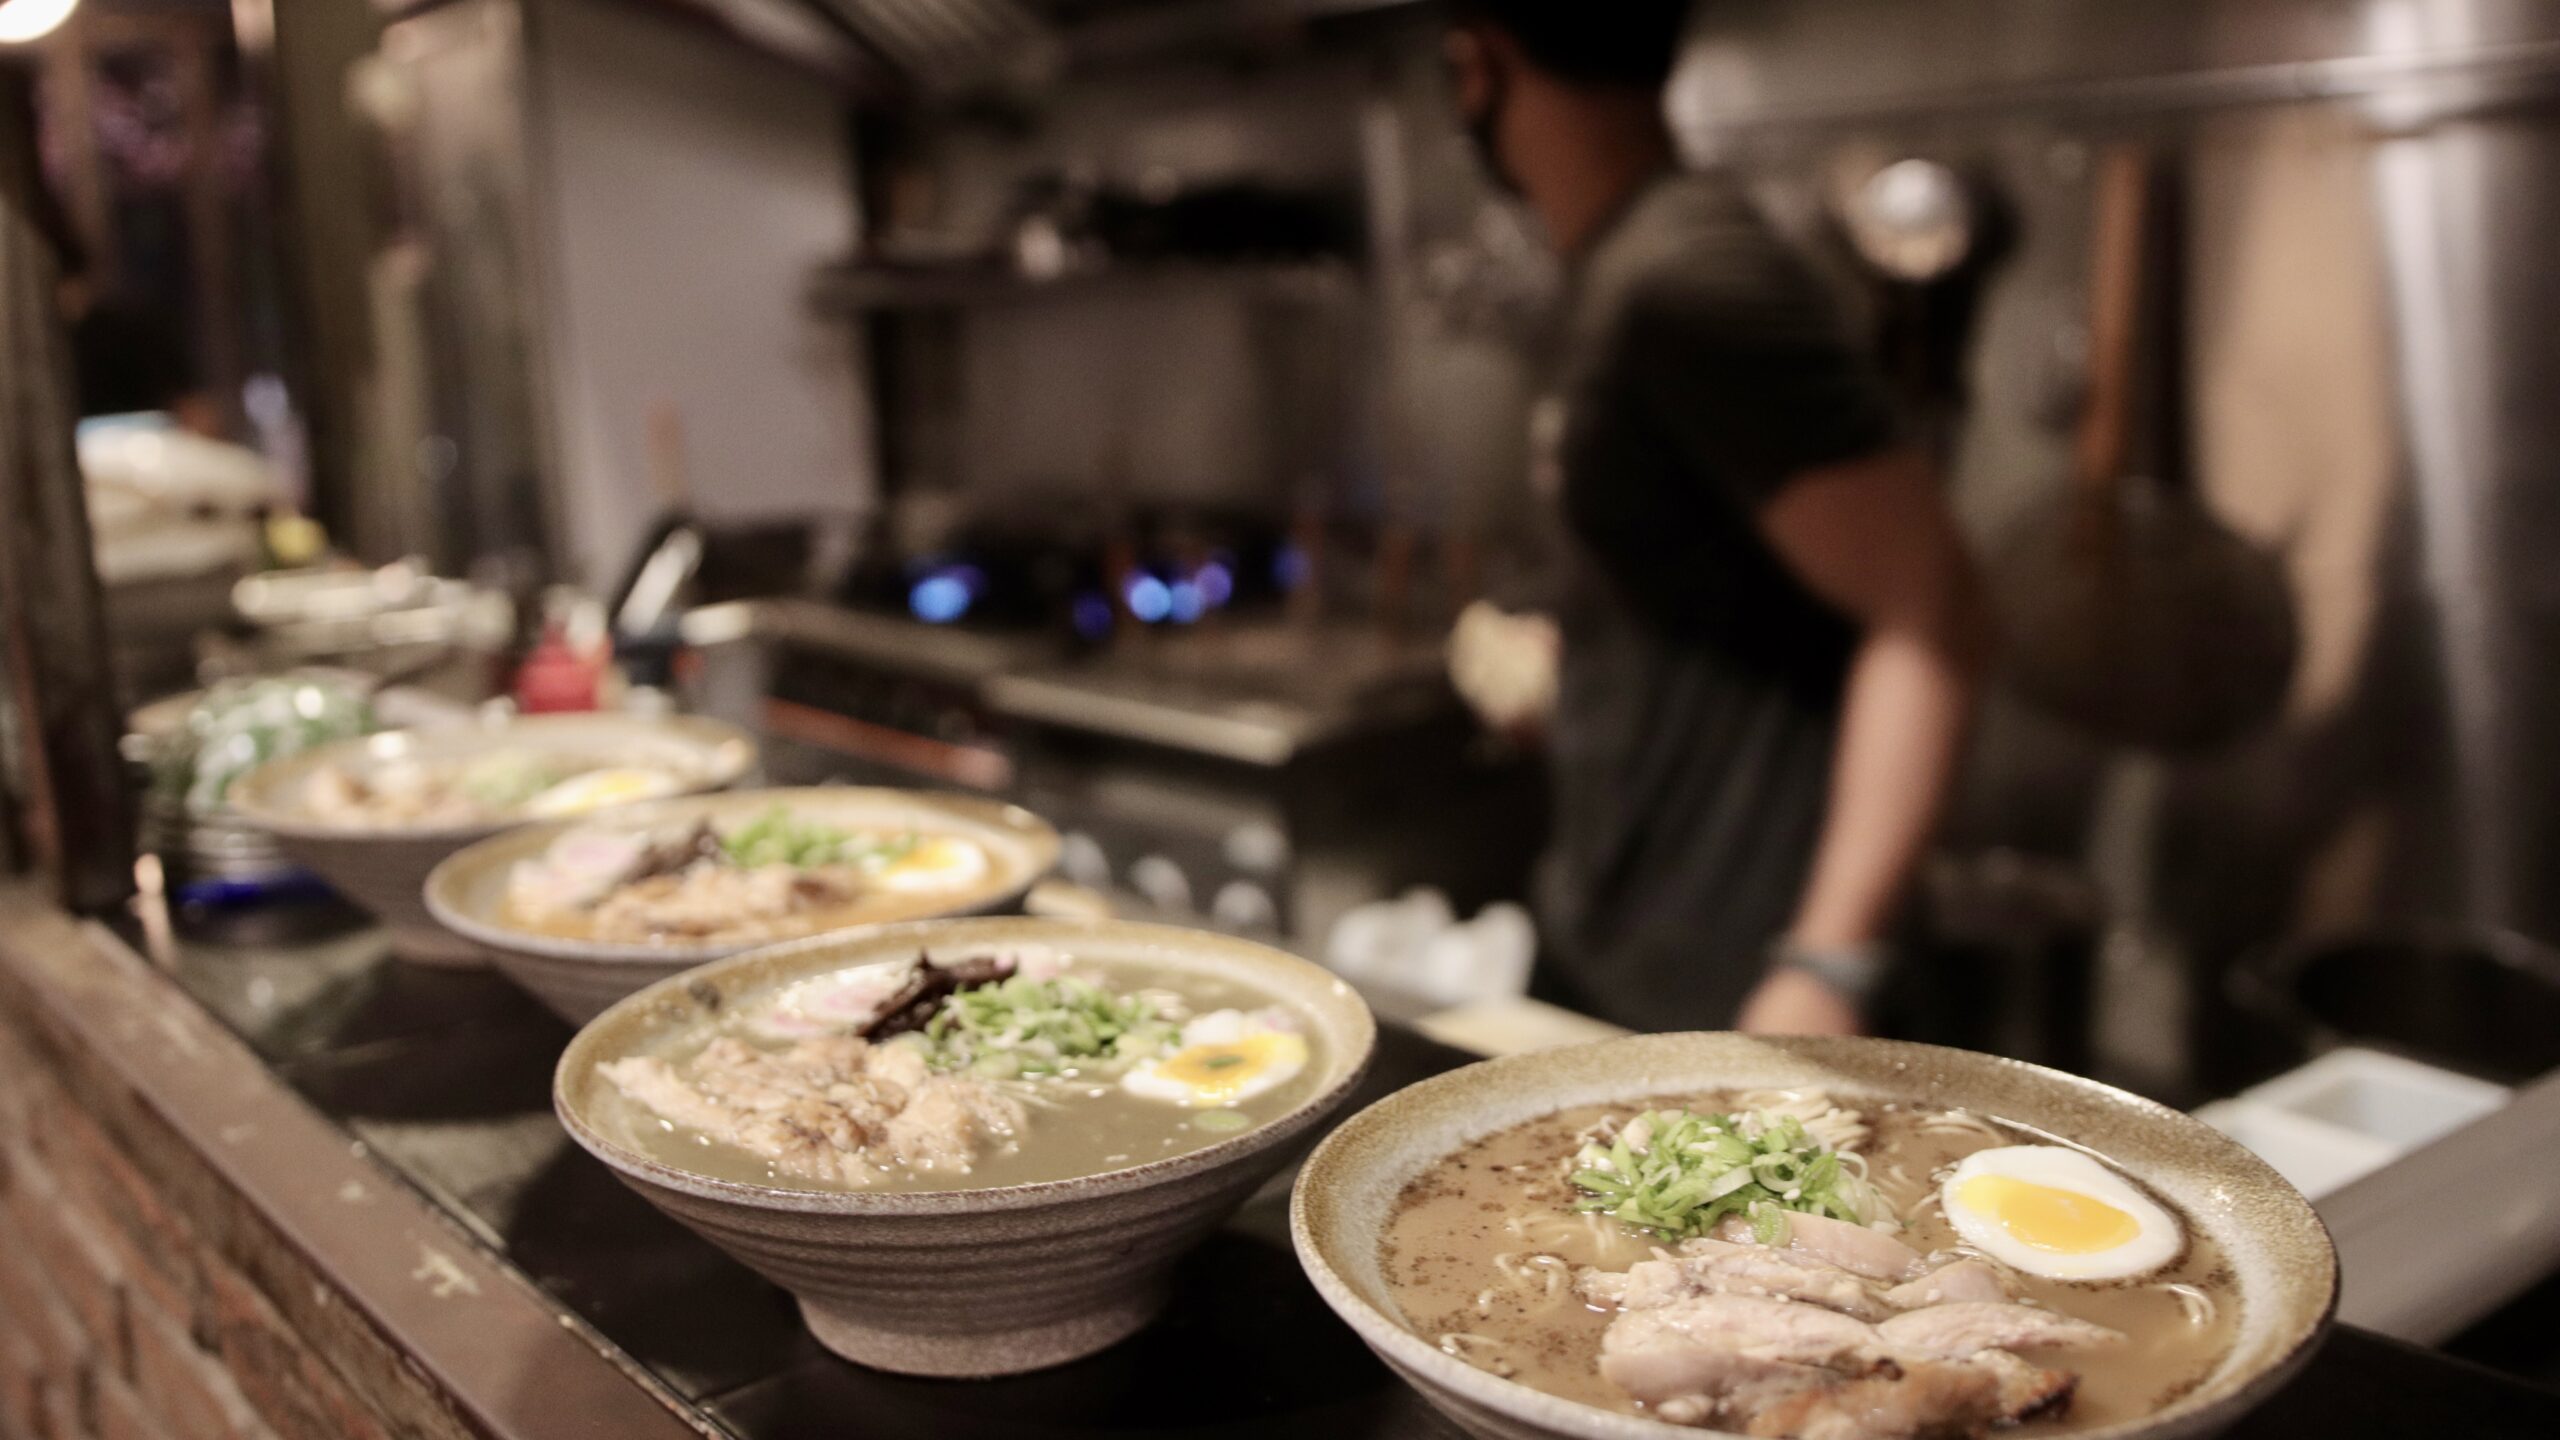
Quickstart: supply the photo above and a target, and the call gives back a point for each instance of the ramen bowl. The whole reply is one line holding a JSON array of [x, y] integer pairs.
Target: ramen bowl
[[2284, 1268], [384, 867], [972, 1282], [579, 976]]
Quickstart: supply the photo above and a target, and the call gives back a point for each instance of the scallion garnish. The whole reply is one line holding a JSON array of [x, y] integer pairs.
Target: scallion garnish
[[1675, 1175], [1027, 1028]]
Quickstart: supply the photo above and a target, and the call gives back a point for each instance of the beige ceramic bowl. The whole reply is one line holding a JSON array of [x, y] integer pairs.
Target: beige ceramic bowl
[[974, 1282], [2288, 1271], [579, 978], [384, 868]]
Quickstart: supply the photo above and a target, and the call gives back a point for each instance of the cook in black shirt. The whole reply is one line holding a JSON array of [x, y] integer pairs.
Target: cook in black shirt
[[1769, 628]]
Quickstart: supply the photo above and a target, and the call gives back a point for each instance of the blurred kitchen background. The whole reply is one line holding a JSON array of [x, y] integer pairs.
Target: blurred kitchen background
[[1110, 404]]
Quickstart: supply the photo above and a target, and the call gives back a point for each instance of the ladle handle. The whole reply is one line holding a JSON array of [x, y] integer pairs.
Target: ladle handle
[[2115, 314]]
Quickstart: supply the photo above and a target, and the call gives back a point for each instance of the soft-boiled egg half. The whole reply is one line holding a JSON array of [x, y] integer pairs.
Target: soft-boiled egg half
[[2058, 1213], [598, 789], [934, 862], [1225, 1057]]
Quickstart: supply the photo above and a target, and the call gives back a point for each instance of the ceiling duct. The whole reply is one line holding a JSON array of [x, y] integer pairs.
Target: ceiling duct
[[939, 49]]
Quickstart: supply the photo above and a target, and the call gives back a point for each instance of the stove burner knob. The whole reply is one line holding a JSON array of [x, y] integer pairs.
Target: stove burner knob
[[1082, 859], [1256, 847], [1162, 882], [1243, 905]]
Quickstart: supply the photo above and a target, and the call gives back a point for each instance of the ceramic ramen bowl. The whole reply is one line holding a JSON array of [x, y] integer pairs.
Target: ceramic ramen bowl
[[2286, 1271], [384, 867], [963, 1282], [579, 977]]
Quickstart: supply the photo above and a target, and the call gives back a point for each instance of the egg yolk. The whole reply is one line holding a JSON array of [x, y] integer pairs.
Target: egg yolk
[[935, 853], [1216, 1074], [596, 790], [2065, 1222]]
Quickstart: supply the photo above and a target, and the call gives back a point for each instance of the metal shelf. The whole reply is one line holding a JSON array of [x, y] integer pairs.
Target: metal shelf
[[863, 289]]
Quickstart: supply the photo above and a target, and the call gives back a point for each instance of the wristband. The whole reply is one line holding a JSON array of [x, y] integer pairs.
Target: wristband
[[1853, 972]]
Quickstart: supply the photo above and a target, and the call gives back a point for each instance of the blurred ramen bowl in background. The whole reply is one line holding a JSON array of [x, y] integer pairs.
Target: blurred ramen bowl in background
[[585, 911], [374, 815]]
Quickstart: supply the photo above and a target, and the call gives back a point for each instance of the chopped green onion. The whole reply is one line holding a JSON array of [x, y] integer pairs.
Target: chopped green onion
[[1219, 1122], [1768, 1224], [1044, 1027], [778, 837], [1674, 1175]]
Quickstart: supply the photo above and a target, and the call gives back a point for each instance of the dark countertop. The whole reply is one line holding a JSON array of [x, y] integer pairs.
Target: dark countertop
[[445, 1076]]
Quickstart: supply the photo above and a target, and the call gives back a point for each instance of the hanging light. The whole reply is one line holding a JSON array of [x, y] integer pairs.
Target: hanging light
[[25, 20]]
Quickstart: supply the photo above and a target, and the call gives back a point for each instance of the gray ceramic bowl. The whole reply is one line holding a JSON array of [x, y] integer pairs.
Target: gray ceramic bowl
[[2288, 1271], [578, 978], [974, 1282], [384, 868]]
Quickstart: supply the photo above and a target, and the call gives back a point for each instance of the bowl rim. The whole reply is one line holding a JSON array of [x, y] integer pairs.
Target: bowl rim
[[731, 752], [442, 882], [1352, 1069], [1426, 1366]]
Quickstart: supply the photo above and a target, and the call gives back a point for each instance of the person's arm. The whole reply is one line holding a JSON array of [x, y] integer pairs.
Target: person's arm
[[1874, 538]]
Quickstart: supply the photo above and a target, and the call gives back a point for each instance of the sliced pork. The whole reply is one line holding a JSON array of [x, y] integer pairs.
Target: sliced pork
[[705, 900], [1961, 1280], [836, 1108], [1925, 1402], [1652, 1357], [1750, 1270], [2026, 1390], [1854, 1248], [1604, 1288], [1750, 1326], [1791, 1343], [1965, 1328]]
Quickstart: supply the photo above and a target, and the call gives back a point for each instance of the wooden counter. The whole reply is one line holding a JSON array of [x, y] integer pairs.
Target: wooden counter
[[267, 1183]]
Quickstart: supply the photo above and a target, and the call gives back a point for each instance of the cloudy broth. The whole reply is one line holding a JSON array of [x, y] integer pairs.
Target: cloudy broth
[[1079, 1123], [1474, 1239], [877, 907]]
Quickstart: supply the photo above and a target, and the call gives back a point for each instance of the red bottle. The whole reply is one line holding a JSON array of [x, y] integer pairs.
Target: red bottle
[[559, 678]]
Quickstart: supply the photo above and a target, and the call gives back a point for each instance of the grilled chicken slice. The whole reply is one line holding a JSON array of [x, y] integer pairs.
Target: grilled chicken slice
[[1948, 1284], [1854, 1248], [1603, 1287], [1685, 1377], [2027, 1390], [834, 1108], [1750, 1270], [1926, 1402], [1648, 1352], [1965, 1328]]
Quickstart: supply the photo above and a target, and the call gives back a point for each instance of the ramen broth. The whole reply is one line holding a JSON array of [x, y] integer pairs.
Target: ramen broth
[[1078, 1124], [1483, 1248], [780, 875], [879, 907], [500, 784]]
